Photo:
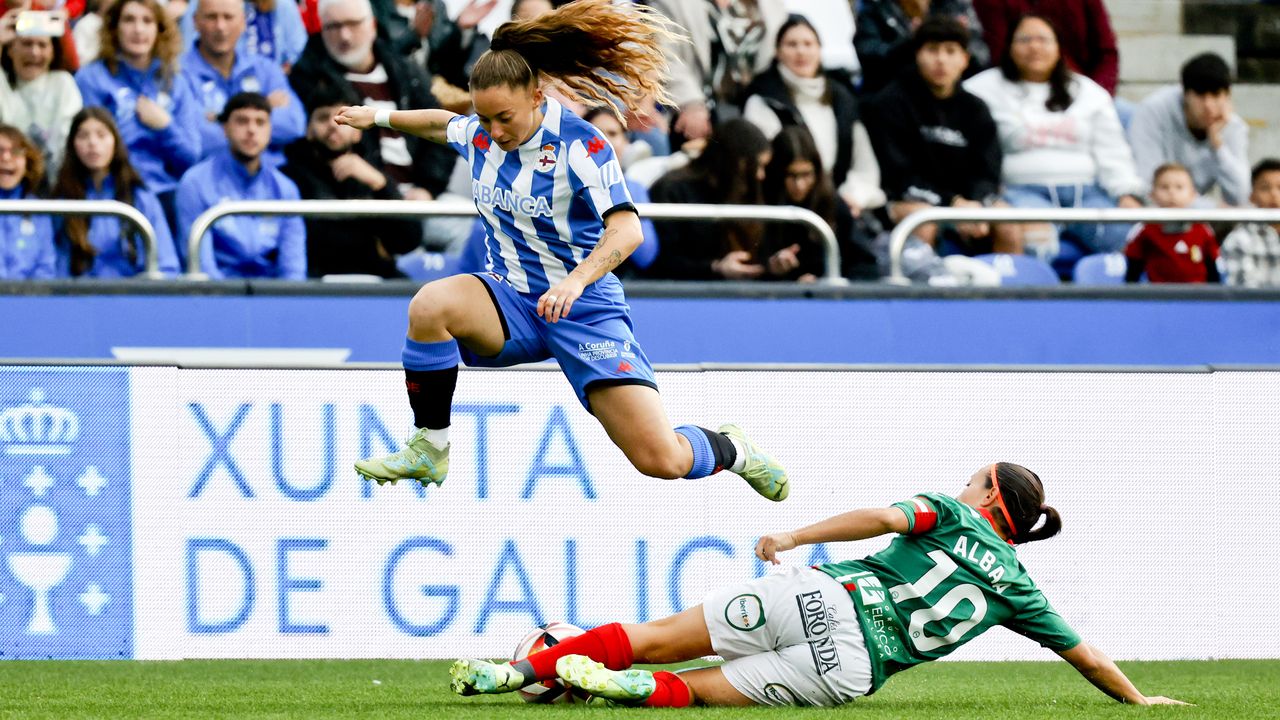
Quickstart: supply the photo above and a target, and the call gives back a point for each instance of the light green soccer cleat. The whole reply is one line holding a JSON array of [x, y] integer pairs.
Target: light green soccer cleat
[[761, 471], [419, 460], [480, 677], [625, 687]]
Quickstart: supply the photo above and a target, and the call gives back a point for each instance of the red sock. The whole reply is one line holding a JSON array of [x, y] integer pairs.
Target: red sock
[[606, 644], [670, 692]]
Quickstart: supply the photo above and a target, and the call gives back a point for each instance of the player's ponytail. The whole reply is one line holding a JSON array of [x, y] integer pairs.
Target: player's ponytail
[[1023, 496], [598, 52]]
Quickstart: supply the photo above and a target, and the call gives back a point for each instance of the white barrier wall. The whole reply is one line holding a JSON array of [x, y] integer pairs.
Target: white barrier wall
[[154, 512]]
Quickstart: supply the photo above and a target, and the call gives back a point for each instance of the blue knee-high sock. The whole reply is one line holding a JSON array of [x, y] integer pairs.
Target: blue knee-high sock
[[430, 376], [704, 461], [430, 355]]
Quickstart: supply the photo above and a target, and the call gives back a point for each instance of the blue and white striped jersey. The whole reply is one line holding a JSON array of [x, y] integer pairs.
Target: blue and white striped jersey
[[543, 204]]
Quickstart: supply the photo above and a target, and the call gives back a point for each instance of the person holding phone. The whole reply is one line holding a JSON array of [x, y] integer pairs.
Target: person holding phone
[[41, 93]]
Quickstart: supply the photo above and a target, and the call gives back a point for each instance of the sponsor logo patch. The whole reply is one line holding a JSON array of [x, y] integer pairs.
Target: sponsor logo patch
[[781, 694], [745, 612]]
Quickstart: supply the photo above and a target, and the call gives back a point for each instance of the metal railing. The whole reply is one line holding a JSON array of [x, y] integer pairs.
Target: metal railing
[[151, 268], [456, 208], [898, 238]]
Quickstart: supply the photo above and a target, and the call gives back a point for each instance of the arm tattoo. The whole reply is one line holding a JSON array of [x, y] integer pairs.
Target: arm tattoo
[[613, 259]]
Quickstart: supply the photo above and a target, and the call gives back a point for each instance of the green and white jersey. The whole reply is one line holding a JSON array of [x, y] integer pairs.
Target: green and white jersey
[[942, 584]]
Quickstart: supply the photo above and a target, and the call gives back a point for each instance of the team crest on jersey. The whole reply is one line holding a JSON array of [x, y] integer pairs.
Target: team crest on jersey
[[546, 159]]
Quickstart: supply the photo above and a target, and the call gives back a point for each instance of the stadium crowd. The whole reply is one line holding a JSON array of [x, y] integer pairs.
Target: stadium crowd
[[863, 111]]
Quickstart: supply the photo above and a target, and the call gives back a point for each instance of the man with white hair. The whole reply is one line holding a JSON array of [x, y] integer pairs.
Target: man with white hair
[[347, 52], [217, 71]]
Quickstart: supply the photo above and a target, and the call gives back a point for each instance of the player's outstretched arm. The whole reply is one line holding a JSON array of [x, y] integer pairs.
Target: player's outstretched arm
[[1103, 673], [855, 525], [429, 124]]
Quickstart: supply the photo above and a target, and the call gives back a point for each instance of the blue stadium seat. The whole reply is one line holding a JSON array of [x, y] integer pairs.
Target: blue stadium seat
[[1020, 269], [1100, 269], [1069, 253], [426, 266]]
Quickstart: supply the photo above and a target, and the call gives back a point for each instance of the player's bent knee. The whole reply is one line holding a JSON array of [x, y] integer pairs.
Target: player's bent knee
[[427, 310]]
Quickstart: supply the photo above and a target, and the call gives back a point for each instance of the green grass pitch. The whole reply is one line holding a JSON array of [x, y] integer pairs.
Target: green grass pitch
[[1236, 689]]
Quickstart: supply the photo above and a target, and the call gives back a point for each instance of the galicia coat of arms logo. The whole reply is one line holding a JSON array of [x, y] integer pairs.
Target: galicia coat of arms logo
[[65, 518]]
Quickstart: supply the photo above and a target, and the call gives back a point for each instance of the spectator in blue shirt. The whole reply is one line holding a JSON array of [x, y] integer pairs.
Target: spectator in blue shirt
[[26, 241], [137, 80], [273, 30], [97, 167], [217, 69], [244, 245]]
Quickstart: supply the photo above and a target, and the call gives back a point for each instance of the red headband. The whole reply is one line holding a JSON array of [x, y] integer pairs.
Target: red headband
[[1000, 500]]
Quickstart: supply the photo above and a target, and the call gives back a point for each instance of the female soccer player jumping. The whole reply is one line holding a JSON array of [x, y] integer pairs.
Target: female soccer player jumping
[[829, 634], [558, 220]]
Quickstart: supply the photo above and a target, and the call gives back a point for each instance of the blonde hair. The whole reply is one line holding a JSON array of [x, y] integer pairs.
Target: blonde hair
[[168, 39], [597, 52]]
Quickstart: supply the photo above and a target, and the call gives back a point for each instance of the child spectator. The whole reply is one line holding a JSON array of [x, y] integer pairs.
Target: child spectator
[[26, 241], [1251, 252], [44, 94], [1195, 126], [97, 167], [1172, 252], [137, 80], [244, 245]]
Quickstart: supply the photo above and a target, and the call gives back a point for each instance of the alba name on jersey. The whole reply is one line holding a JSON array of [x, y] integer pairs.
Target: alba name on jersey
[[943, 583], [543, 204]]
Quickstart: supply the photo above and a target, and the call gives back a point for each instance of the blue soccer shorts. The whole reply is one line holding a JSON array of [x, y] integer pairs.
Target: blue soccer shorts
[[595, 345]]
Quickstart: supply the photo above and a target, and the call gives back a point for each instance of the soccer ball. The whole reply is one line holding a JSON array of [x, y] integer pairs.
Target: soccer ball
[[547, 691]]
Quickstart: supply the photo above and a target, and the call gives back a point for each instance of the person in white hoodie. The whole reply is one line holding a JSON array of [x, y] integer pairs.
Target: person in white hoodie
[[37, 94], [1062, 140]]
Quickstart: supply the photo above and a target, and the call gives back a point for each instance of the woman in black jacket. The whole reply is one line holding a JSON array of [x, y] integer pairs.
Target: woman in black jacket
[[796, 91]]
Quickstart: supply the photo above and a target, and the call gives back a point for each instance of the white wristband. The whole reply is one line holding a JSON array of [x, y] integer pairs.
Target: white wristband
[[382, 118]]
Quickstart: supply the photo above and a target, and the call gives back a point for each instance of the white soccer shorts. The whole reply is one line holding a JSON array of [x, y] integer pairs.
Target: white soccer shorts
[[789, 638]]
